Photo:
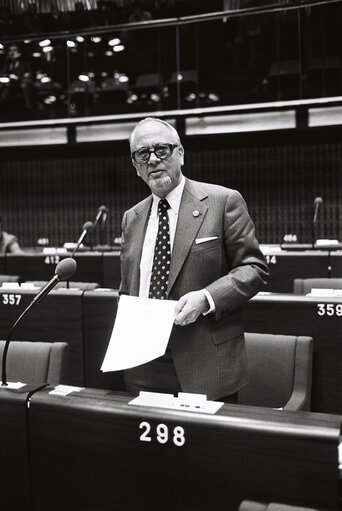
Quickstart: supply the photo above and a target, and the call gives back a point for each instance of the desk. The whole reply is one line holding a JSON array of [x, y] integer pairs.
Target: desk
[[287, 266], [39, 266], [14, 467], [57, 318], [318, 317], [90, 450], [103, 268]]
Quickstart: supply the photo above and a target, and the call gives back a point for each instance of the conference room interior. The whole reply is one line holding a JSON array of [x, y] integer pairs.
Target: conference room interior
[[254, 88]]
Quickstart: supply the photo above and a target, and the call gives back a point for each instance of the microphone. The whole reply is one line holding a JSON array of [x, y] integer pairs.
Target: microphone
[[64, 270], [87, 227], [102, 212], [317, 202], [101, 215]]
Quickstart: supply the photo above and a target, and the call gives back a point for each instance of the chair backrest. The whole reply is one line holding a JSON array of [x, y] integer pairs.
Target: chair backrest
[[9, 278], [280, 371], [36, 362], [304, 286], [85, 286]]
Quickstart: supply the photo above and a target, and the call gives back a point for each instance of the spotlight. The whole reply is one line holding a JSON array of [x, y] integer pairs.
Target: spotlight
[[45, 42], [123, 78], [71, 44], [4, 79], [114, 42], [45, 79], [80, 39], [36, 54], [96, 39], [83, 77], [47, 49], [119, 47]]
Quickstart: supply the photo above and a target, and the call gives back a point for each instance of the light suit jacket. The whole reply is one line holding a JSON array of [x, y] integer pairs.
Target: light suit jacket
[[209, 355]]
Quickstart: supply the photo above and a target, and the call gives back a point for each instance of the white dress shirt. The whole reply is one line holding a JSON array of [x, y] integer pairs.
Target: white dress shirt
[[174, 199]]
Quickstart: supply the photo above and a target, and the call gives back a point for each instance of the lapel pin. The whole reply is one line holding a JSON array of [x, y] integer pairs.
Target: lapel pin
[[195, 213]]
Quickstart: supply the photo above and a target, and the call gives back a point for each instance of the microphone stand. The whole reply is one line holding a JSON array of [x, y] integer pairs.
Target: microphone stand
[[7, 343]]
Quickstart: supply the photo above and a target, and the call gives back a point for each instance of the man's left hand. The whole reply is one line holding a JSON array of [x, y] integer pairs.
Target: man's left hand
[[189, 307]]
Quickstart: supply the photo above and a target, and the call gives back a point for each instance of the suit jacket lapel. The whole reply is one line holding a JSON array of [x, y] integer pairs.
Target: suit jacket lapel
[[190, 217], [138, 229]]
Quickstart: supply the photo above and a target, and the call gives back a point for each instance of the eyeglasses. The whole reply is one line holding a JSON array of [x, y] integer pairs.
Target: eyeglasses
[[162, 151]]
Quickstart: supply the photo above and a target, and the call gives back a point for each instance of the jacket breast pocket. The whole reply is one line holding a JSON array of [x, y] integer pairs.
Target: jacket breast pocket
[[202, 246]]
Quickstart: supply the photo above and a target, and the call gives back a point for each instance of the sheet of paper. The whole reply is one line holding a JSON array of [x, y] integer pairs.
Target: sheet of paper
[[141, 332]]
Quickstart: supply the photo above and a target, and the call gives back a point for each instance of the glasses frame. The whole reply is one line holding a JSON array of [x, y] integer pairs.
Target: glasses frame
[[153, 150]]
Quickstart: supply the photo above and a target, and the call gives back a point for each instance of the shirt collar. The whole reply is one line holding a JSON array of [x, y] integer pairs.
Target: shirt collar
[[173, 198]]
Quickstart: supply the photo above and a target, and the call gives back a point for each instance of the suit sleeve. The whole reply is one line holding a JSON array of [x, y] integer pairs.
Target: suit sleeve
[[123, 289], [248, 270]]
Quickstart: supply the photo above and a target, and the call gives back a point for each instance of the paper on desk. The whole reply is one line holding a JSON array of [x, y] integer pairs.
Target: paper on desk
[[141, 332]]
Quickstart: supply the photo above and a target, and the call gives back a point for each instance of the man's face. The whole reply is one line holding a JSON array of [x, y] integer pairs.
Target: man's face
[[13, 52], [161, 175]]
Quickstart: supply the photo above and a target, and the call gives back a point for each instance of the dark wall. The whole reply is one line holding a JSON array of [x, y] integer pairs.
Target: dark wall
[[51, 192]]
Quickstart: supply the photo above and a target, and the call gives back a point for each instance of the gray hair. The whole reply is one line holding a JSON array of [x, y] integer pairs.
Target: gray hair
[[155, 119]]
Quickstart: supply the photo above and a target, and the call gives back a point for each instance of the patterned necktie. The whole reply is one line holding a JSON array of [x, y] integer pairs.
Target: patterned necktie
[[162, 255]]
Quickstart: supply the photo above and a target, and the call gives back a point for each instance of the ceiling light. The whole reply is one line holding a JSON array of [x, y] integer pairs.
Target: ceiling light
[[45, 79], [109, 53], [71, 44], [119, 47], [83, 77], [47, 49], [114, 42], [36, 54], [96, 39], [80, 39], [4, 79], [123, 79], [45, 42]]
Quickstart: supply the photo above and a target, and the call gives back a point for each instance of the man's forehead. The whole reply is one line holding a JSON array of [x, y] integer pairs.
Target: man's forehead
[[153, 130]]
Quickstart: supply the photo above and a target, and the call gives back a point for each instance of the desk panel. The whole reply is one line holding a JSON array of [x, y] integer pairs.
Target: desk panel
[[99, 311], [336, 264], [287, 266], [14, 467], [2, 264], [91, 450], [39, 266], [111, 270], [318, 317], [57, 318]]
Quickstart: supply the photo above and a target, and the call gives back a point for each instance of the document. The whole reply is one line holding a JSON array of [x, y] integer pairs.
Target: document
[[141, 332]]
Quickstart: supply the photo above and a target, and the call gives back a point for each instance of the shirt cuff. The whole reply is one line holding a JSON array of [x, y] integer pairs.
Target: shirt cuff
[[210, 301]]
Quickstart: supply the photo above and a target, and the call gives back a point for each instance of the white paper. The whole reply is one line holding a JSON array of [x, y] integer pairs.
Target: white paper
[[141, 332], [185, 402]]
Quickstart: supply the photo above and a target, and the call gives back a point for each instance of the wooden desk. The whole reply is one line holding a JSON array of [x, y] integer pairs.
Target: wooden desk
[[318, 317], [57, 318], [2, 264], [287, 266], [14, 467], [91, 450], [39, 266]]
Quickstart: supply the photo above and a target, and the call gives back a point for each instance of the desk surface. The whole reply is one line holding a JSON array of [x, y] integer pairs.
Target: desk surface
[[92, 450], [317, 317]]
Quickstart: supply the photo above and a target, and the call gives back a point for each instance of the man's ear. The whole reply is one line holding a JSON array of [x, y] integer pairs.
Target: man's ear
[[136, 168], [181, 154]]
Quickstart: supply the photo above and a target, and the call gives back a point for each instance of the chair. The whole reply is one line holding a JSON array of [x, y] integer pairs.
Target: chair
[[280, 371], [36, 362], [84, 286], [304, 286], [9, 278]]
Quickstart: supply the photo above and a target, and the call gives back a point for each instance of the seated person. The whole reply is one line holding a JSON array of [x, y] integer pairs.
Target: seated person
[[19, 74], [8, 242]]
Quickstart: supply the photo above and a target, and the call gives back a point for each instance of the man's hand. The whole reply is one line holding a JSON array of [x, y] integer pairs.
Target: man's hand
[[189, 307]]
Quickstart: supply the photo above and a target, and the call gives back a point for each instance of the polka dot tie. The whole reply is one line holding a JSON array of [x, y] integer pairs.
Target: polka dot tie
[[162, 255]]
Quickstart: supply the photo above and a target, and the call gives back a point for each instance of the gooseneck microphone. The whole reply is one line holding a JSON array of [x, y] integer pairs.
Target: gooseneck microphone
[[102, 213], [101, 217], [87, 227], [317, 203], [64, 270]]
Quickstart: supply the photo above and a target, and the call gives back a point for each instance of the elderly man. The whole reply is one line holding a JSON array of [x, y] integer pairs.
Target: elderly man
[[195, 243]]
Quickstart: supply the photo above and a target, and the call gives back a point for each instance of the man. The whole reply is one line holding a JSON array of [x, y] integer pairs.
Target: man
[[215, 266], [8, 242], [19, 76]]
